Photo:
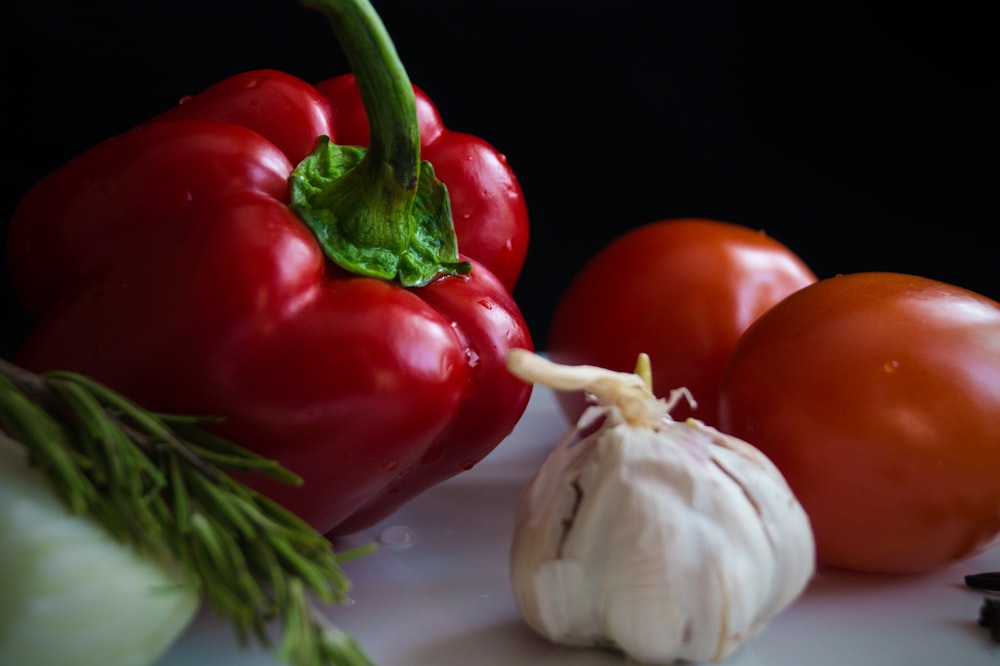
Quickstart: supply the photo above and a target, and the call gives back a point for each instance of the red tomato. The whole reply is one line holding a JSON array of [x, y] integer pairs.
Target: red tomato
[[679, 290], [878, 397]]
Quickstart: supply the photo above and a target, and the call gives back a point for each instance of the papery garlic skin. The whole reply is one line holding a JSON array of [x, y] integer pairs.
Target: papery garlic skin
[[669, 541]]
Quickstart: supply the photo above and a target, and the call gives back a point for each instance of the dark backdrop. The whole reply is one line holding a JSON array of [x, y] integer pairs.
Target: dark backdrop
[[863, 135]]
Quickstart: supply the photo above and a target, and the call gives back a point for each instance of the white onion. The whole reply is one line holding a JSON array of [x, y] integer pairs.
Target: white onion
[[70, 593]]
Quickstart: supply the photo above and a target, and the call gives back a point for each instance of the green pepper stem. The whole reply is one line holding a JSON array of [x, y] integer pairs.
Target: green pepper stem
[[384, 84], [377, 211]]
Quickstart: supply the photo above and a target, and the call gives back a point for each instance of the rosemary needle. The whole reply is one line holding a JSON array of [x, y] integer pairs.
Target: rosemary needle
[[162, 484]]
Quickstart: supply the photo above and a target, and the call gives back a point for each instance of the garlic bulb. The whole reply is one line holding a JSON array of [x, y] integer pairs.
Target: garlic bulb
[[667, 540]]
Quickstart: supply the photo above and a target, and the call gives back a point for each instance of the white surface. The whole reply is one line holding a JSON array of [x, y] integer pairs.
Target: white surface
[[441, 596]]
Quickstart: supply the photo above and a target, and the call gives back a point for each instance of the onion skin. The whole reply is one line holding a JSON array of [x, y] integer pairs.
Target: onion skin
[[72, 593]]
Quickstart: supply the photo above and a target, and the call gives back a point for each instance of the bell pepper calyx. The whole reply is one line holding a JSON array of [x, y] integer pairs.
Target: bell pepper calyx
[[368, 227], [377, 211]]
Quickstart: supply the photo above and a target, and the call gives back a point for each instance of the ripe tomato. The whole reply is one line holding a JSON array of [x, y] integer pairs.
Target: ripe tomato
[[680, 290], [878, 397]]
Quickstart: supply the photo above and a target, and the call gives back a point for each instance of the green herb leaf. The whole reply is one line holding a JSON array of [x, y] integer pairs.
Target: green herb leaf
[[162, 484]]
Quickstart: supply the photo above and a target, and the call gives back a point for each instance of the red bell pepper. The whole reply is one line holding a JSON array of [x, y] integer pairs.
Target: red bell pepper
[[240, 255]]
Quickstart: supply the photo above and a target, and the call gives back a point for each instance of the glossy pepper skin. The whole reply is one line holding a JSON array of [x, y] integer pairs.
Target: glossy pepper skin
[[169, 263]]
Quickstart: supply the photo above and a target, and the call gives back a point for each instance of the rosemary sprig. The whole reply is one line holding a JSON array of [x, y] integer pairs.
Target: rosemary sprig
[[162, 483]]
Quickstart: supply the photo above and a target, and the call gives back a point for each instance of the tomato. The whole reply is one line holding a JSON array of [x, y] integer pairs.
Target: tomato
[[878, 397], [680, 290]]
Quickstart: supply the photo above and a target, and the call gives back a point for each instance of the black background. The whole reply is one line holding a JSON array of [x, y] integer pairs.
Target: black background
[[862, 135]]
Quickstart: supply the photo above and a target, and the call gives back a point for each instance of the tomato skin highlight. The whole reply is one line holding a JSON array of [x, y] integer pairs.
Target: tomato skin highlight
[[681, 290], [878, 397]]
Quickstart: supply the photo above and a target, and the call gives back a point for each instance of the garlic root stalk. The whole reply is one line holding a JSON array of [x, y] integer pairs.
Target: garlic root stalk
[[667, 540]]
